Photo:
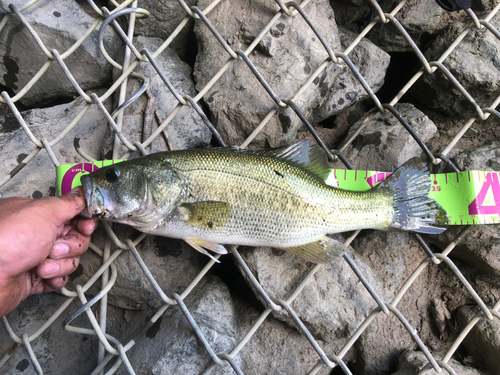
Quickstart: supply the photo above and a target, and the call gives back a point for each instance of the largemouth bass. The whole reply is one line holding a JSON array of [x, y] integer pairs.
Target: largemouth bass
[[276, 198]]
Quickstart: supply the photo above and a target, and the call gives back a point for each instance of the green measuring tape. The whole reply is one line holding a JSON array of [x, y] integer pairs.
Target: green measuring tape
[[471, 197]]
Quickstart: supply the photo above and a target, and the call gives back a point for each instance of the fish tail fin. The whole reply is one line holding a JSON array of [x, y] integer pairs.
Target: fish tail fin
[[414, 211]]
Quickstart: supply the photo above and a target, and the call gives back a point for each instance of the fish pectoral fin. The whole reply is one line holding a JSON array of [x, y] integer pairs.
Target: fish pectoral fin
[[208, 215], [201, 245], [323, 251]]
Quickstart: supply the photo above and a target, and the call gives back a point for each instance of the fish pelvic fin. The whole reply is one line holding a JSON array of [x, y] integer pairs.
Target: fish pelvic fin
[[324, 250], [201, 245], [414, 211]]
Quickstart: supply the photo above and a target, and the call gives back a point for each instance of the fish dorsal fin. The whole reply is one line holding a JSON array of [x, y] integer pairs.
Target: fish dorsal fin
[[311, 158]]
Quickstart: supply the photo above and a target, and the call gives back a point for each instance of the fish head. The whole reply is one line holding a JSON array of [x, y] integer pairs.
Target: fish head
[[134, 192]]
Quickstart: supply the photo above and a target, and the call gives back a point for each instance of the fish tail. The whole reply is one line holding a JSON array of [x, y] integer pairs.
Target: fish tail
[[414, 211]]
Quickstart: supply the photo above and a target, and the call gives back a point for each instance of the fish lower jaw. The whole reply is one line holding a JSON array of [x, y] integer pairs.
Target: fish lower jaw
[[100, 214]]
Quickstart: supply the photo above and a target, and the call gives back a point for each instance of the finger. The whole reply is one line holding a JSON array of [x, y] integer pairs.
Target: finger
[[71, 245], [37, 284], [66, 229], [56, 283], [51, 268], [62, 209], [86, 226]]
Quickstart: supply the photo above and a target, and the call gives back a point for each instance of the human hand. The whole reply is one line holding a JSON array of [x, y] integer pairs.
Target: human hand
[[41, 241]]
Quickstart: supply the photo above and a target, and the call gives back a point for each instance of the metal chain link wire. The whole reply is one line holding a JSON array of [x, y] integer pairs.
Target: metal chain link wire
[[112, 352]]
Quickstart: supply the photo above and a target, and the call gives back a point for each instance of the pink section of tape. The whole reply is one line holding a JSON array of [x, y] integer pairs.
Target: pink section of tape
[[70, 175], [476, 207], [376, 178]]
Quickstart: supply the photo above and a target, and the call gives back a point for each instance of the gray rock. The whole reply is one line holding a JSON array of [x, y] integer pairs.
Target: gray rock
[[483, 341], [384, 144], [187, 129], [238, 102], [333, 303], [389, 254], [421, 19], [38, 178], [55, 343], [173, 347], [339, 87], [482, 158], [171, 262], [480, 248], [393, 257], [274, 348], [165, 16], [410, 363], [59, 24], [474, 63]]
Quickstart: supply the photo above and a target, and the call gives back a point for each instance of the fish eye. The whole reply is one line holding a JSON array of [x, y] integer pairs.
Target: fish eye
[[112, 174]]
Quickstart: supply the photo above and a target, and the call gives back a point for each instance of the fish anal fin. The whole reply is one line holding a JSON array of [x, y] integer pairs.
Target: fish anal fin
[[324, 250], [208, 215], [201, 245]]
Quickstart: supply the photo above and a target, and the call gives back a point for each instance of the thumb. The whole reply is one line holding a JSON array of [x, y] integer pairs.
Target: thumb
[[65, 208]]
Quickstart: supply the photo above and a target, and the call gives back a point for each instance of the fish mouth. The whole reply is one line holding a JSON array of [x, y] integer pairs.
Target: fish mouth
[[98, 202]]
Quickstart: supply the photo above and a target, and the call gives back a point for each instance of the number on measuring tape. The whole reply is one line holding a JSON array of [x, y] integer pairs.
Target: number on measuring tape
[[476, 207]]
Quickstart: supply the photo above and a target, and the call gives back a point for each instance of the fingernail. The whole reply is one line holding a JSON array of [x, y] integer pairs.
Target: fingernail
[[51, 268], [60, 249]]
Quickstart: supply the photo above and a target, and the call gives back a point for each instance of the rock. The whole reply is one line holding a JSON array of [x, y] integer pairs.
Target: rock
[[482, 158], [421, 19], [473, 62], [173, 348], [37, 178], [389, 254], [393, 257], [340, 88], [332, 304], [384, 144], [275, 348], [59, 24], [55, 343], [187, 129], [238, 102], [441, 316], [410, 363], [483, 341], [164, 18], [480, 248], [171, 262]]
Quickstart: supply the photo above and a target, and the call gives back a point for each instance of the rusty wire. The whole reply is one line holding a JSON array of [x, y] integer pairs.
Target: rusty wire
[[114, 352]]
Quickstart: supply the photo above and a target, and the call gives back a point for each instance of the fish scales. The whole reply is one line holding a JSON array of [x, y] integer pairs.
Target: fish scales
[[276, 198], [274, 203]]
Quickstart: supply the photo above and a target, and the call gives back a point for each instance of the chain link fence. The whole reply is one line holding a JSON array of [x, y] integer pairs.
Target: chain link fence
[[113, 353]]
